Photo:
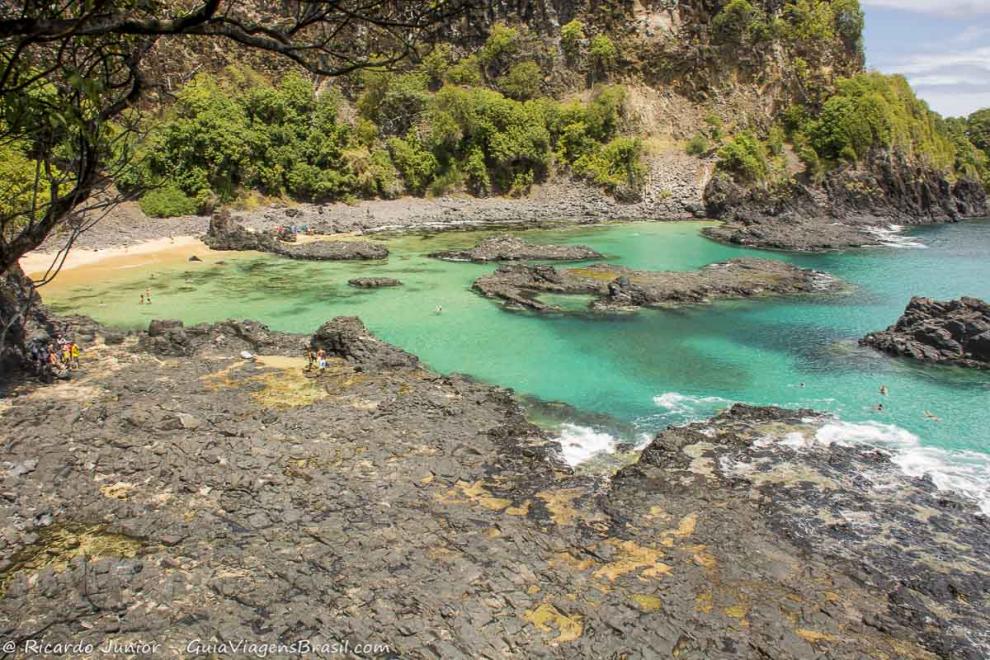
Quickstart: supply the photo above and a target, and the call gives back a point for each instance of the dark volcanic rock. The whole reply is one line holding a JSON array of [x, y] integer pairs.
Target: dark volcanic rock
[[511, 248], [616, 287], [225, 233], [171, 338], [844, 210], [373, 282], [346, 337], [333, 250], [947, 332], [169, 499], [850, 505]]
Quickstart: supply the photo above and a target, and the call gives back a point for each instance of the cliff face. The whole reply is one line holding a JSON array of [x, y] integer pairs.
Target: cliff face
[[845, 209]]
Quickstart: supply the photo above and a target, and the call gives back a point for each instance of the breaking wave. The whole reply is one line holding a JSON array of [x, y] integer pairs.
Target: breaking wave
[[964, 472], [691, 406], [892, 236], [580, 443]]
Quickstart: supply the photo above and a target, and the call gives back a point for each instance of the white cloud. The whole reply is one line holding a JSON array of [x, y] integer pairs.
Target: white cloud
[[938, 7], [954, 82]]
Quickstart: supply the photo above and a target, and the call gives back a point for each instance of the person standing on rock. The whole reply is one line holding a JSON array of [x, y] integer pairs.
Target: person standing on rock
[[310, 359], [321, 357], [74, 352]]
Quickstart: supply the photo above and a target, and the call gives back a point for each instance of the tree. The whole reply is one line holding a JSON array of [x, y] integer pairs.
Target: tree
[[71, 73], [978, 129]]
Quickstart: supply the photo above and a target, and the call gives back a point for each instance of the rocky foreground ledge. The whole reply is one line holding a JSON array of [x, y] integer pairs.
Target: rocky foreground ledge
[[226, 234], [176, 492], [953, 332], [511, 248], [616, 288]]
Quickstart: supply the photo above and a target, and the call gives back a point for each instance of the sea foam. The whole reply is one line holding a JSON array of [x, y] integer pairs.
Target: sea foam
[[964, 472], [685, 404], [580, 443], [891, 236]]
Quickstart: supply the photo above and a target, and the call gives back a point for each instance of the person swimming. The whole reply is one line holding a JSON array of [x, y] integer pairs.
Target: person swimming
[[438, 310], [929, 415], [883, 390]]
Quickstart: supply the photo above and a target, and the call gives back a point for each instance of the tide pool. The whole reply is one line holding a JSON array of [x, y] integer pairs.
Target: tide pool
[[622, 375]]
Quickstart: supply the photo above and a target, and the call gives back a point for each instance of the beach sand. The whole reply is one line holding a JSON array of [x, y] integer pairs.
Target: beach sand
[[83, 266]]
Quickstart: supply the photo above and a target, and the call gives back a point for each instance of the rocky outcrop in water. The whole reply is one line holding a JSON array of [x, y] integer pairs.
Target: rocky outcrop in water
[[840, 212], [511, 248], [225, 233], [205, 496], [955, 332], [333, 250], [620, 288], [373, 282]]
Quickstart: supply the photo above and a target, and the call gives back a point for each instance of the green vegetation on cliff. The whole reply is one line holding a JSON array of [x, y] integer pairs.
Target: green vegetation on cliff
[[866, 114], [432, 129], [487, 118]]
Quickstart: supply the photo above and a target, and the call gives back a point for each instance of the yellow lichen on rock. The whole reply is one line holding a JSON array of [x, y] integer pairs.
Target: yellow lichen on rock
[[813, 636], [560, 504], [632, 557], [474, 493], [118, 491], [521, 510], [646, 602], [56, 547], [546, 618]]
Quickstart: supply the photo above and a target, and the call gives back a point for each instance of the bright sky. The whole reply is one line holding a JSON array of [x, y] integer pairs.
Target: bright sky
[[941, 46]]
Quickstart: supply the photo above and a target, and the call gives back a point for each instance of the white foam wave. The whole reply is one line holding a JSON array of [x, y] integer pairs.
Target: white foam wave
[[685, 404], [579, 444], [891, 236], [964, 472]]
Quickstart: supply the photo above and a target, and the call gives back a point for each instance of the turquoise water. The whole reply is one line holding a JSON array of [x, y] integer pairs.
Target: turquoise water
[[644, 371]]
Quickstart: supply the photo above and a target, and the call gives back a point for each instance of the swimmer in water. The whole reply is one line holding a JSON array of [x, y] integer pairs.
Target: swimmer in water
[[878, 407], [883, 390], [929, 415], [438, 310]]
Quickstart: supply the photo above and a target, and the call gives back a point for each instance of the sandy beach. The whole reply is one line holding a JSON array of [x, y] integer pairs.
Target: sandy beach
[[85, 265]]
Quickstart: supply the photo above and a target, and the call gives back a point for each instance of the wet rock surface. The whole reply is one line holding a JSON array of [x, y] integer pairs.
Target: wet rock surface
[[210, 497], [226, 233], [373, 282], [512, 248], [955, 332], [618, 288]]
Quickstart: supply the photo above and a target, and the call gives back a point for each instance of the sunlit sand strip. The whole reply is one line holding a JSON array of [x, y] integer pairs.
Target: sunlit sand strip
[[88, 266]]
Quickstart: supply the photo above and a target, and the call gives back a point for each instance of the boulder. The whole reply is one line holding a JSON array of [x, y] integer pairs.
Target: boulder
[[953, 332], [346, 337], [333, 250], [373, 282], [510, 248]]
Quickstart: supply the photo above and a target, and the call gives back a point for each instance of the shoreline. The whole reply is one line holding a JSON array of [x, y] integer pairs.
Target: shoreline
[[714, 533]]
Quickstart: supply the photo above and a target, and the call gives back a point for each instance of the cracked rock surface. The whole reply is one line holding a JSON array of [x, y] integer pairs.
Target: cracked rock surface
[[174, 491]]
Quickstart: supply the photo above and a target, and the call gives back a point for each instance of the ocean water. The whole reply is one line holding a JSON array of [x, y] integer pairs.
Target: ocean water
[[612, 379]]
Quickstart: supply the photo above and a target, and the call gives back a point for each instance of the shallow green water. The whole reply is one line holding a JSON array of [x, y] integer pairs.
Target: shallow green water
[[645, 370]]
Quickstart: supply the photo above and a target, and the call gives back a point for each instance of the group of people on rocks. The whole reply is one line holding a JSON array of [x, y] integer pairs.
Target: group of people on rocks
[[316, 359], [54, 359]]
